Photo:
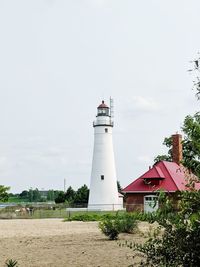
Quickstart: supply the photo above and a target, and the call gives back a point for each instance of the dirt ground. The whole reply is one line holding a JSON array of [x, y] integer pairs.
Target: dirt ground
[[53, 243]]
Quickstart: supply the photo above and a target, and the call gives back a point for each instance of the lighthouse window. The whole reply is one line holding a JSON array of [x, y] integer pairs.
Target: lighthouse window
[[102, 177], [106, 130]]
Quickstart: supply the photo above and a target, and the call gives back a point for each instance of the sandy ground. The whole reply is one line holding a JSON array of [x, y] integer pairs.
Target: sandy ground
[[52, 242]]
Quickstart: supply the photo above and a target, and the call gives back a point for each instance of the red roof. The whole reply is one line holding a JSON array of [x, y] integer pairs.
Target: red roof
[[155, 172], [170, 175], [103, 105]]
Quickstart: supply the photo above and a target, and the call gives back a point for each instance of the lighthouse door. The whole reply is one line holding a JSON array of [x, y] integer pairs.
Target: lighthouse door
[[150, 203]]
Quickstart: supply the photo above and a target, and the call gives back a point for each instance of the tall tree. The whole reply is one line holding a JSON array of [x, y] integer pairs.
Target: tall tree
[[191, 144], [50, 195], [34, 195], [195, 70], [60, 198], [24, 194], [82, 195], [119, 188], [177, 245], [191, 130], [70, 194], [4, 193]]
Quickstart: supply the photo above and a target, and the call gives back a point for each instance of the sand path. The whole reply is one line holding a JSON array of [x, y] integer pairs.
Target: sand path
[[53, 243]]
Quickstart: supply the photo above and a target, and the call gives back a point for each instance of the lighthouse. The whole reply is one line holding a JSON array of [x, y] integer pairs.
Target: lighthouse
[[103, 185]]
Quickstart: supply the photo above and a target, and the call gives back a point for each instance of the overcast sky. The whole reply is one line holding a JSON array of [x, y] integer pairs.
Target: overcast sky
[[60, 58]]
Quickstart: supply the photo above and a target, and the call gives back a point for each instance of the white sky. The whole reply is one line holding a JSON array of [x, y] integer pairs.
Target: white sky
[[60, 58]]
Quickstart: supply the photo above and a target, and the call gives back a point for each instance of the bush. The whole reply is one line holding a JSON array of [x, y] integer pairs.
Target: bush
[[127, 223], [85, 217], [110, 227], [178, 243]]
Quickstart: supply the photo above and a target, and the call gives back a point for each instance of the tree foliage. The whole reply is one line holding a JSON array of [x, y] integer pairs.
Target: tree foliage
[[119, 188], [82, 195], [24, 194], [112, 226], [70, 194], [50, 195], [60, 198], [4, 193], [168, 143], [177, 241], [34, 195], [195, 71], [191, 144], [73, 197], [191, 130]]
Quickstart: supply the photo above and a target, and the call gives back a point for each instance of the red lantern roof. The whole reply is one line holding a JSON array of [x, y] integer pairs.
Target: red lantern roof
[[103, 105], [170, 174]]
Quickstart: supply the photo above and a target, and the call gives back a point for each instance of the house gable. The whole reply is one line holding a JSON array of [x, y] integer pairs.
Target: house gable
[[170, 178]]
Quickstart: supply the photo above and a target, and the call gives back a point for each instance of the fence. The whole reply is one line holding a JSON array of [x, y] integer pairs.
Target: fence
[[39, 211]]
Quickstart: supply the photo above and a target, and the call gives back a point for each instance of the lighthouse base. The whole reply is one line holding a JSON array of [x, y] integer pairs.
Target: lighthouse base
[[105, 207]]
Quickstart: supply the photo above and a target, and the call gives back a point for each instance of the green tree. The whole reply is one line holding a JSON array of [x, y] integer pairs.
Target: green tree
[[168, 143], [195, 70], [70, 194], [4, 193], [119, 187], [60, 198], [24, 194], [191, 130], [82, 195], [191, 144], [177, 244], [34, 195], [50, 195], [30, 195]]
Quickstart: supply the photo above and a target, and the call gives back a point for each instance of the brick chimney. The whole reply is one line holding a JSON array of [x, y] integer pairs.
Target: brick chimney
[[177, 150]]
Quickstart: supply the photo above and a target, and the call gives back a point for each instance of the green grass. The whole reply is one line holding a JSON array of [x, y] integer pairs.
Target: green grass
[[44, 211], [17, 200], [90, 215], [41, 213], [100, 215]]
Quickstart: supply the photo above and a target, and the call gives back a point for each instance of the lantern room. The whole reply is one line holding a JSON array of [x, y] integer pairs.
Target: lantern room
[[103, 110]]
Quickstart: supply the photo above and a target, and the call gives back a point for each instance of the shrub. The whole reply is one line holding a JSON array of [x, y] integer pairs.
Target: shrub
[[110, 227], [127, 223], [178, 243], [85, 217]]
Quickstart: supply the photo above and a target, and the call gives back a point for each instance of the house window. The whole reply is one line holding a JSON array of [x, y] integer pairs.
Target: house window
[[150, 203], [106, 130], [102, 177]]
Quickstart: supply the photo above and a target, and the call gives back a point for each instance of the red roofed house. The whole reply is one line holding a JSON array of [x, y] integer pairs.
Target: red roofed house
[[166, 176]]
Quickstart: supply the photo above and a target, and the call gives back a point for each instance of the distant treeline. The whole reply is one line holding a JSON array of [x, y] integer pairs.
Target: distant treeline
[[71, 196]]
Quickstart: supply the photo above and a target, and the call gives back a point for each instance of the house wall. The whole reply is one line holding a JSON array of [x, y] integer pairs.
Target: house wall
[[135, 201]]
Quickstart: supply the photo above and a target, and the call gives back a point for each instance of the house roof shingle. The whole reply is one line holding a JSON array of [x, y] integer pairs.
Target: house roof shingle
[[170, 174]]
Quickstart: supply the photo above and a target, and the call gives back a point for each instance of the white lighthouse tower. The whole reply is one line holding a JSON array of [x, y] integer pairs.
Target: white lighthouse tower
[[103, 186]]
